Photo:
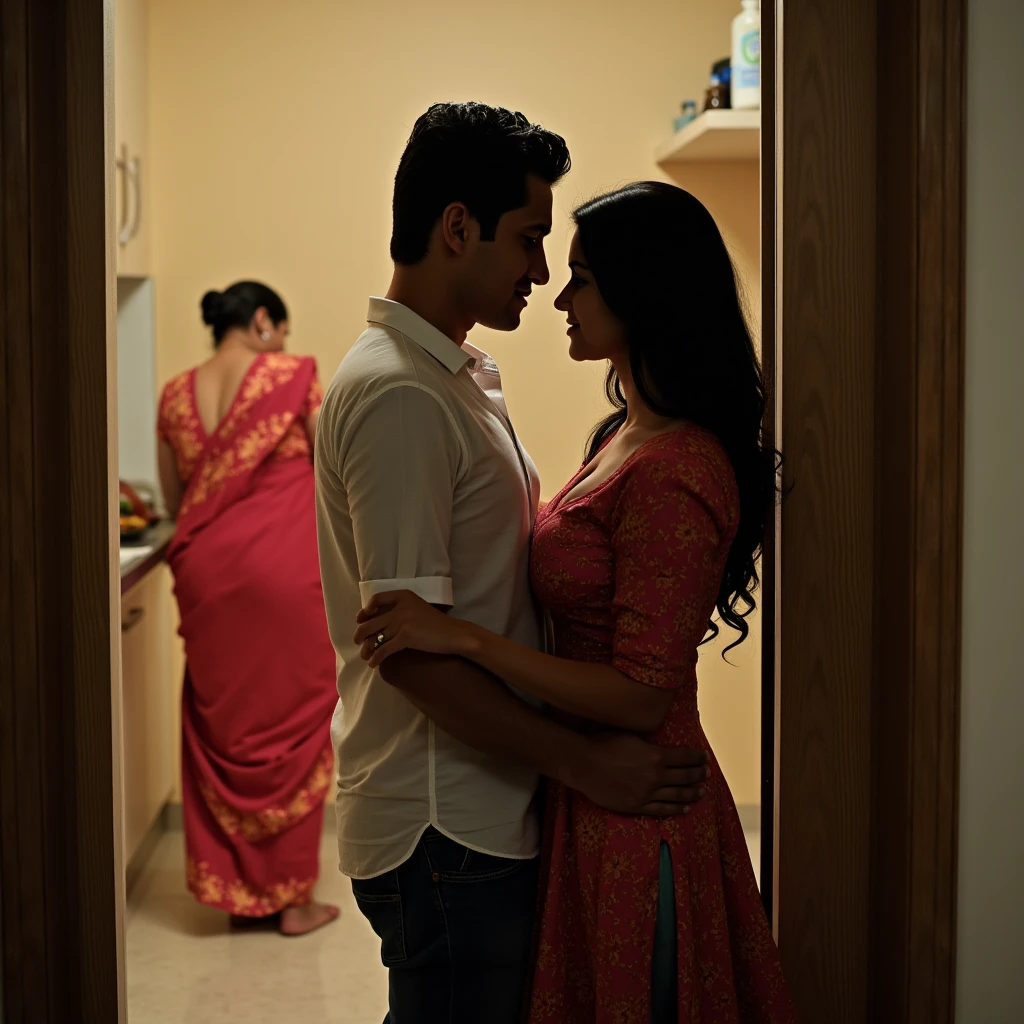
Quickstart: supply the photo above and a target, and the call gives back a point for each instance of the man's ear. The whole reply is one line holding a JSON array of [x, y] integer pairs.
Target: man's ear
[[455, 227]]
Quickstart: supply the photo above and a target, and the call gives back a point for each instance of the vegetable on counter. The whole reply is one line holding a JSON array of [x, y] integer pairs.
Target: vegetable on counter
[[133, 524], [134, 513]]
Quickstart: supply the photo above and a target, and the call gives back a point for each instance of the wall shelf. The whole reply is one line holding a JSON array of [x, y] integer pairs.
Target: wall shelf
[[714, 135]]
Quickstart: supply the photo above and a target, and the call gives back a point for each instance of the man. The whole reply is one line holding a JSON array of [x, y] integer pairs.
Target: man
[[422, 485]]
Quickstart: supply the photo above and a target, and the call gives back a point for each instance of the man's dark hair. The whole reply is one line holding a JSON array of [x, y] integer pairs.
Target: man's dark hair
[[469, 153]]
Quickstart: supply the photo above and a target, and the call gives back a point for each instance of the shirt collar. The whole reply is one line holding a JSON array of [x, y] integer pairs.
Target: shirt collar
[[414, 327]]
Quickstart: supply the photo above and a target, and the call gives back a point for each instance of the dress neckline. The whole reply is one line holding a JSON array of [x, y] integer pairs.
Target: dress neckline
[[558, 504], [231, 407]]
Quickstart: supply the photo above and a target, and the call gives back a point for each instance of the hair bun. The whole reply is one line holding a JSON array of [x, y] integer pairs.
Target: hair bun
[[235, 307], [213, 306]]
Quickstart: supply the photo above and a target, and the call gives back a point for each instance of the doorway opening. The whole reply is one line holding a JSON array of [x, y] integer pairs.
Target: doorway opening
[[226, 171]]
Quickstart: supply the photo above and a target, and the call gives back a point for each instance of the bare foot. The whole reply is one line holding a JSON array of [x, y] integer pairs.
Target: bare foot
[[306, 919]]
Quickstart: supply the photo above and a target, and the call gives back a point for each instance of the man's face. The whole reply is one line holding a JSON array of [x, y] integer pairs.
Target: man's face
[[499, 275]]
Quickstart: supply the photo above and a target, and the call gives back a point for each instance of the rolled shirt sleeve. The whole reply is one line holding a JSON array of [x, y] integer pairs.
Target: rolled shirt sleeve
[[402, 456]]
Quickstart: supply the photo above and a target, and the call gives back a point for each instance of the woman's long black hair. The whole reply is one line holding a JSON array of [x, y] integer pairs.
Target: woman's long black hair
[[662, 267]]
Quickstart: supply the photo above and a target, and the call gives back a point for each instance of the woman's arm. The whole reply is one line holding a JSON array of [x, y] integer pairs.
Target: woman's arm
[[595, 691], [667, 572], [619, 772], [310, 423], [314, 401], [170, 484]]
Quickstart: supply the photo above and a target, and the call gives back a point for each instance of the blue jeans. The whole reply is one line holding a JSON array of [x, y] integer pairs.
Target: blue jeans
[[455, 928]]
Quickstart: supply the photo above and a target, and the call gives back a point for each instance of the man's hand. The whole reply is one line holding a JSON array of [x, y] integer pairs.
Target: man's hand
[[625, 774]]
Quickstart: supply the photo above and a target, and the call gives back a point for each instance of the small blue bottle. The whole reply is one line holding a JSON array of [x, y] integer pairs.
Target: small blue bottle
[[688, 114]]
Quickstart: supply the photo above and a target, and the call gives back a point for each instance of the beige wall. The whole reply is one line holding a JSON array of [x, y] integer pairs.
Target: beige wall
[[275, 130], [991, 860]]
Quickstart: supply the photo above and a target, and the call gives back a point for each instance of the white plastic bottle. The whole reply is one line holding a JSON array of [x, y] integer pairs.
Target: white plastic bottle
[[746, 57]]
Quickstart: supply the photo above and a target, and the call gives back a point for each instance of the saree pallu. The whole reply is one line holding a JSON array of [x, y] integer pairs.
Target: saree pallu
[[259, 685]]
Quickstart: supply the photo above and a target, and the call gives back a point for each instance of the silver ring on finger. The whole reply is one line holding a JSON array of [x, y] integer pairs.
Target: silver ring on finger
[[380, 641]]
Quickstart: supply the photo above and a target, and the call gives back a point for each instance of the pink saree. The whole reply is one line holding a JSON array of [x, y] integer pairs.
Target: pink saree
[[260, 679]]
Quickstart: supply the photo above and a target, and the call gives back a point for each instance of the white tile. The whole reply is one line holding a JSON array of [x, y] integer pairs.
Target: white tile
[[184, 965]]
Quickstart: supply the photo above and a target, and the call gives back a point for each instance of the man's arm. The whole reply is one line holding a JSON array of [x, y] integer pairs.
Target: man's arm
[[621, 772], [400, 464]]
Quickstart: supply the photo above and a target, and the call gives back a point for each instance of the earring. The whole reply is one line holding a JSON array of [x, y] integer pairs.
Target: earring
[[265, 335]]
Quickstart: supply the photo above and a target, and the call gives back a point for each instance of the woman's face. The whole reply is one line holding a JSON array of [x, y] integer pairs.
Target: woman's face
[[595, 332]]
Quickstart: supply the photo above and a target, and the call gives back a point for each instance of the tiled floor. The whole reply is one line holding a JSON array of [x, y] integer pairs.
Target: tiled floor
[[185, 967]]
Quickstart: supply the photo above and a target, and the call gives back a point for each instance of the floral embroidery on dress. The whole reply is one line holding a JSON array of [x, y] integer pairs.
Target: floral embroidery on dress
[[315, 398], [178, 423], [629, 574], [237, 897], [256, 757], [270, 370], [180, 426], [271, 820], [294, 444]]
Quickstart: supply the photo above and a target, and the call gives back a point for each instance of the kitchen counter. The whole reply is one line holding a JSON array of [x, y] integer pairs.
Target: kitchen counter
[[140, 557]]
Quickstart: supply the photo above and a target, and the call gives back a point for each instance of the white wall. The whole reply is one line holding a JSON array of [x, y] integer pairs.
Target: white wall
[[990, 967], [275, 130], [274, 135], [136, 381]]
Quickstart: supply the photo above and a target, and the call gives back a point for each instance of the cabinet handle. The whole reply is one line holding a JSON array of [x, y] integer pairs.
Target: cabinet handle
[[134, 618], [132, 181], [136, 176], [122, 166]]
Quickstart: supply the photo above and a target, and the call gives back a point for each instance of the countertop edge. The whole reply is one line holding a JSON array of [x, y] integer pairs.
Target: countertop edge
[[160, 537]]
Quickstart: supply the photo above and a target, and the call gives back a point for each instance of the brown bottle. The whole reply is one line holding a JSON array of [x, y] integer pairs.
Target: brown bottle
[[716, 97]]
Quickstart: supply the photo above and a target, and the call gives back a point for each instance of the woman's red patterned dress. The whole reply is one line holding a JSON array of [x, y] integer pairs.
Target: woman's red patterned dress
[[629, 573]]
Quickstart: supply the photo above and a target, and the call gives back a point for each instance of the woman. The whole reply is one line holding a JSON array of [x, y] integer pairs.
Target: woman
[[235, 438], [643, 919]]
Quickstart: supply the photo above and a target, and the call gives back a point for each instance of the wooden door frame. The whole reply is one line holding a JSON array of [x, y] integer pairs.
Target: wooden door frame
[[60, 852], [770, 556], [864, 291], [864, 295], [919, 389]]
